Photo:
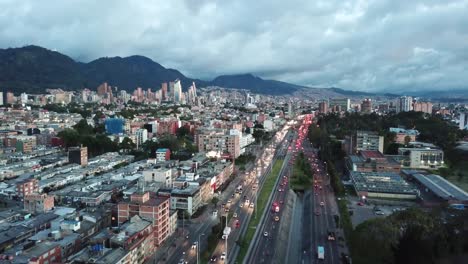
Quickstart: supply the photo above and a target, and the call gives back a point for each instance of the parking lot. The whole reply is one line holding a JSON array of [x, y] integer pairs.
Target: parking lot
[[364, 211]]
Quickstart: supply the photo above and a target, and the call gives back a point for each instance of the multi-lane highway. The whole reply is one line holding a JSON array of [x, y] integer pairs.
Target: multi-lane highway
[[318, 215], [241, 204]]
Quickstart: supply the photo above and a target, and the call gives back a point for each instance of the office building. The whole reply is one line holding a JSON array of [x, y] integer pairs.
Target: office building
[[78, 155], [177, 91], [163, 154], [186, 199], [401, 134], [422, 158]]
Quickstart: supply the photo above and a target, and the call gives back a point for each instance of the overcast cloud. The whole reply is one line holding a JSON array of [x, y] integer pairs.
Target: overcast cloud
[[395, 45]]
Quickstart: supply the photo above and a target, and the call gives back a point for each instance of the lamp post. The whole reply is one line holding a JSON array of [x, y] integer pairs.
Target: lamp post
[[198, 247]]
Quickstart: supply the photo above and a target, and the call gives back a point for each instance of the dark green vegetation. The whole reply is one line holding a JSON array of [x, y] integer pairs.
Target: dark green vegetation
[[302, 174], [245, 158], [213, 239], [433, 129], [33, 69], [260, 206], [98, 142], [86, 135], [411, 236]]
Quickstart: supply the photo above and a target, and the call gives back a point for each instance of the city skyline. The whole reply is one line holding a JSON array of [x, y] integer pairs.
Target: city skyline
[[357, 45]]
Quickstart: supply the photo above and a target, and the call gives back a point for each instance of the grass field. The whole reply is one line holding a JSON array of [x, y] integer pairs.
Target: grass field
[[261, 203], [459, 175]]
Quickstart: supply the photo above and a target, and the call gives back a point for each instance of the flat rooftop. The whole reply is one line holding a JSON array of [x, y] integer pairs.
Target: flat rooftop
[[441, 187], [381, 182], [372, 154]]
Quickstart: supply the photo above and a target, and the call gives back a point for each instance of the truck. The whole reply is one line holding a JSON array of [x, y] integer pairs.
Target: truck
[[320, 252], [226, 232]]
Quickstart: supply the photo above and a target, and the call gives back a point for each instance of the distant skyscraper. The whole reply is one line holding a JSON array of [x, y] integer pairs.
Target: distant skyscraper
[[164, 91], [323, 107], [366, 106], [405, 104], [463, 121], [177, 91], [344, 103], [425, 107], [1, 98], [102, 89], [171, 91]]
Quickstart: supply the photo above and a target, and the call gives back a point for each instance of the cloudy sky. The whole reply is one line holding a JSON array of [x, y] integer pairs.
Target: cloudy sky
[[396, 45]]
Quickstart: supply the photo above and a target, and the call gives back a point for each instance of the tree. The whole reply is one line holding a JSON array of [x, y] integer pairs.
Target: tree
[[214, 201], [247, 130], [69, 136], [127, 144], [407, 140], [83, 128], [182, 131]]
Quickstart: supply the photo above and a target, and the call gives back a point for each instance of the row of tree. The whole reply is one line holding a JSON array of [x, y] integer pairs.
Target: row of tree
[[411, 236]]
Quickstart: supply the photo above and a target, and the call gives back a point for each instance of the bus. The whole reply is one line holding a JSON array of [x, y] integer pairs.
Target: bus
[[321, 252]]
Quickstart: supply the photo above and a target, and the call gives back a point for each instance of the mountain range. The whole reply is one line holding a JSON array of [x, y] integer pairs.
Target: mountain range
[[34, 69]]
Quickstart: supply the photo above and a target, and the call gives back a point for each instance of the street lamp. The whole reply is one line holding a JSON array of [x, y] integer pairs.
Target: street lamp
[[198, 247]]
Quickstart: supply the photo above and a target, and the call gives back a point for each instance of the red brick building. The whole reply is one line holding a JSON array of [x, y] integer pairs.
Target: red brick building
[[155, 209], [28, 186], [38, 203]]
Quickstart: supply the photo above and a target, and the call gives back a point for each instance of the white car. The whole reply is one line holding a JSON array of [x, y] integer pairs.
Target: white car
[[234, 215], [229, 201], [223, 256], [194, 245], [322, 204], [265, 234]]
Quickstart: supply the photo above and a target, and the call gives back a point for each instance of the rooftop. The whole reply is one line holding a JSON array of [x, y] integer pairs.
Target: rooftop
[[441, 187], [381, 182], [372, 154]]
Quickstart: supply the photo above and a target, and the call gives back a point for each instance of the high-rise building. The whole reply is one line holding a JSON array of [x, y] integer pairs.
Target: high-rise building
[[344, 103], [463, 121], [171, 91], [78, 155], [425, 107], [1, 98], [177, 91], [164, 91], [103, 89], [141, 136], [366, 106], [404, 104], [323, 107]]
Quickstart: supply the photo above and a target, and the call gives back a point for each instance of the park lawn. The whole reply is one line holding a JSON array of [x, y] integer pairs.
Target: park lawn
[[261, 203], [459, 175]]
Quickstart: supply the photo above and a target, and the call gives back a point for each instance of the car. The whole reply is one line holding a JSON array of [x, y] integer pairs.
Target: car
[[234, 215], [214, 258], [194, 245], [252, 205], [280, 190], [281, 201], [182, 261], [223, 256], [360, 203], [379, 212], [322, 204], [241, 205], [215, 213], [277, 218], [226, 209], [229, 201], [265, 234]]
